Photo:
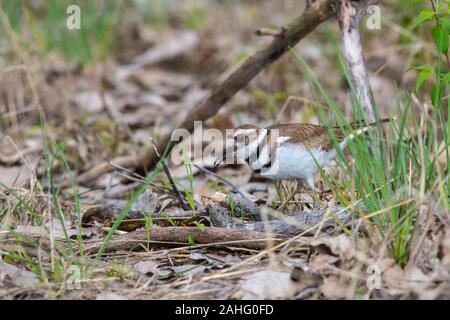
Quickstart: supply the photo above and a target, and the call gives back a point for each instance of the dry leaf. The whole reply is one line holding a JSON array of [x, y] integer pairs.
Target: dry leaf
[[110, 296], [147, 267], [146, 202], [92, 101], [341, 245], [332, 288], [269, 284], [421, 284], [189, 269], [393, 280], [215, 260], [15, 176], [20, 277], [322, 261]]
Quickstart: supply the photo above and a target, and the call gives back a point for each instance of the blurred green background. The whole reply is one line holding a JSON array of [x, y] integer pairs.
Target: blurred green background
[[42, 24]]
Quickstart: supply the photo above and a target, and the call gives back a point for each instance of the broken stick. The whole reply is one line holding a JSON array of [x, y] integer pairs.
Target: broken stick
[[180, 235]]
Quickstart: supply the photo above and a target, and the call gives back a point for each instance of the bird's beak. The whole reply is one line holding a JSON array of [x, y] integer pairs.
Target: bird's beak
[[219, 160]]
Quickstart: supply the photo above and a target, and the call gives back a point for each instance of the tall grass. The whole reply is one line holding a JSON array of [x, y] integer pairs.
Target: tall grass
[[401, 166], [44, 27]]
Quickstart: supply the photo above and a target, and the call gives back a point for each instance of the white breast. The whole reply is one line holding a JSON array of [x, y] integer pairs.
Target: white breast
[[294, 161]]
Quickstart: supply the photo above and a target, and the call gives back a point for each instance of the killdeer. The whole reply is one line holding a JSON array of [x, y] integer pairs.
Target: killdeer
[[287, 151]]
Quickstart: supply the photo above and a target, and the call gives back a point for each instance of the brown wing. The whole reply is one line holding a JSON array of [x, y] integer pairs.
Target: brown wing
[[312, 136]]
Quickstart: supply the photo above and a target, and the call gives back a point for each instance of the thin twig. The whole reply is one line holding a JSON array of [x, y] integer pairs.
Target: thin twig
[[183, 204], [133, 176], [270, 32]]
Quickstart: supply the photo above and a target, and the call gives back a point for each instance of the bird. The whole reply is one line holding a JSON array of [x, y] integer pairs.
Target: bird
[[287, 151]]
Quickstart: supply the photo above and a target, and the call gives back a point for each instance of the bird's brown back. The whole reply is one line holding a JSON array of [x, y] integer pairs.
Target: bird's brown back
[[312, 136]]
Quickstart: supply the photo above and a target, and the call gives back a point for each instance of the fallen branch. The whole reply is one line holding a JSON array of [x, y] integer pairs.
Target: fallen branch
[[315, 13], [180, 235], [280, 224], [108, 214], [173, 236]]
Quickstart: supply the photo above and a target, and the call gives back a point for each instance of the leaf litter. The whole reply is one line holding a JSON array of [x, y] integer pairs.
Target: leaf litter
[[107, 111]]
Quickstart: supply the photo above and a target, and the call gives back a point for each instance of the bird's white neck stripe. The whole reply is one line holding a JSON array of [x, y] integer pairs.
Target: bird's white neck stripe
[[260, 151], [248, 151]]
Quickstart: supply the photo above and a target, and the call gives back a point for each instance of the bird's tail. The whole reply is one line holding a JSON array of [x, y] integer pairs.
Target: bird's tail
[[359, 129]]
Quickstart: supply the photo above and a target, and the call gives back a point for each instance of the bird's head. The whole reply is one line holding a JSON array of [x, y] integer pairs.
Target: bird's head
[[240, 143]]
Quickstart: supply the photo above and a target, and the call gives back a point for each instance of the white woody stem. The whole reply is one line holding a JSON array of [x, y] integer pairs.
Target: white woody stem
[[350, 13]]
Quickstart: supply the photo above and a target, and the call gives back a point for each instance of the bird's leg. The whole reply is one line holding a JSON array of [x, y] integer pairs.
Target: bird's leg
[[300, 185], [315, 193], [323, 191], [310, 183]]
